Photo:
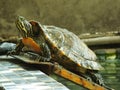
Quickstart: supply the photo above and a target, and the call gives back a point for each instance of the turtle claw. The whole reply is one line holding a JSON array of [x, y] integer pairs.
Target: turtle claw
[[96, 77], [13, 52], [38, 58], [42, 59], [9, 53]]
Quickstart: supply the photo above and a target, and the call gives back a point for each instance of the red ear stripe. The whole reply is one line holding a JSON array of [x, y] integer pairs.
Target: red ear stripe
[[33, 23], [35, 28]]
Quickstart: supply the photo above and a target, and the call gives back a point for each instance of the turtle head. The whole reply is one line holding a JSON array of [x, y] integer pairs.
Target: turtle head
[[24, 27]]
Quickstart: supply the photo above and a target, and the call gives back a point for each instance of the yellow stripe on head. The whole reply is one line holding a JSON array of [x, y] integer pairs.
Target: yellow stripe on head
[[23, 26], [20, 24]]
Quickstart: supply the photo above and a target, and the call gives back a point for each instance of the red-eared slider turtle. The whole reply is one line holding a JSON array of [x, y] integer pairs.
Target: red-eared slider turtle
[[58, 45]]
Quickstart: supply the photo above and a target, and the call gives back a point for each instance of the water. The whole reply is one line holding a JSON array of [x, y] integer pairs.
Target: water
[[110, 60], [111, 75], [111, 72]]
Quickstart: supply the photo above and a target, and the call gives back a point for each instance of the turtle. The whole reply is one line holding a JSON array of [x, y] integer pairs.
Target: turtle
[[55, 44]]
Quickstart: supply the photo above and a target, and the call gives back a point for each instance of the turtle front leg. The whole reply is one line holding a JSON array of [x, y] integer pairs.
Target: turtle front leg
[[43, 59], [96, 77], [40, 49], [17, 49], [45, 56], [37, 58]]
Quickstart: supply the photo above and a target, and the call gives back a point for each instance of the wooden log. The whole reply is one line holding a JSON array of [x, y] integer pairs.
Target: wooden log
[[12, 39], [102, 40], [99, 34]]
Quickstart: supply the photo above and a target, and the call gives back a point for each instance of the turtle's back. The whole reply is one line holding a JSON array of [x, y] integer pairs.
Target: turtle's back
[[72, 47]]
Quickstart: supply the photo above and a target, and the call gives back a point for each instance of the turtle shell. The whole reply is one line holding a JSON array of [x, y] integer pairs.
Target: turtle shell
[[71, 51]]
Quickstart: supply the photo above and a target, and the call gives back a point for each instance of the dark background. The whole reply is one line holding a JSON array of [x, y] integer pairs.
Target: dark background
[[79, 16]]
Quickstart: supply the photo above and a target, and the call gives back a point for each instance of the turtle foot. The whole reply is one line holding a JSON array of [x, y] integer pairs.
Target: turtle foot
[[96, 77]]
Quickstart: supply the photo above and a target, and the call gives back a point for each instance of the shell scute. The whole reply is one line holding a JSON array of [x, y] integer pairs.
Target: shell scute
[[72, 47]]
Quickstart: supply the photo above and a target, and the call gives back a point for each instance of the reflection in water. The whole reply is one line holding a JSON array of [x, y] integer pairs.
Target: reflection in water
[[111, 75], [110, 60], [111, 72]]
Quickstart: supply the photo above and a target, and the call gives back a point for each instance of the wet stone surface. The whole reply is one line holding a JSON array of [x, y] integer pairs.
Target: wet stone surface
[[14, 77]]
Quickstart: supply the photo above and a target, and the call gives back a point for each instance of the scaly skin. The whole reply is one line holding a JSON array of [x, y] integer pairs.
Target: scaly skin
[[32, 39], [29, 42], [35, 41]]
